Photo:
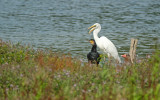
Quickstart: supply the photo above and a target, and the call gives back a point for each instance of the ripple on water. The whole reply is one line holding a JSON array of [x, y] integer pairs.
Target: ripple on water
[[62, 25]]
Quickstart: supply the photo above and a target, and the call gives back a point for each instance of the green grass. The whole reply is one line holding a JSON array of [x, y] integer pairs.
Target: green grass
[[27, 74]]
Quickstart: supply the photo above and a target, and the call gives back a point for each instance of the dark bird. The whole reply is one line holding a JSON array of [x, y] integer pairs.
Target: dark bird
[[127, 58], [93, 56]]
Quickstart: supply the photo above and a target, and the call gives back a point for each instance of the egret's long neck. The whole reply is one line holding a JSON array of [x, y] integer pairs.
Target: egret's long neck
[[95, 33]]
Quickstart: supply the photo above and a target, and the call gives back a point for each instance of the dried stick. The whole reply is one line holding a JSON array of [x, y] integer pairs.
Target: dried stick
[[132, 51]]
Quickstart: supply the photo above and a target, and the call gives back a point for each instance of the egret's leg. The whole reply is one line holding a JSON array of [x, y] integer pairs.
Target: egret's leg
[[104, 58], [109, 59]]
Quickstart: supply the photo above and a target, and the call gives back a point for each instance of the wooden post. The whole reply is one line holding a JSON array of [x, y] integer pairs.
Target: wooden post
[[132, 51]]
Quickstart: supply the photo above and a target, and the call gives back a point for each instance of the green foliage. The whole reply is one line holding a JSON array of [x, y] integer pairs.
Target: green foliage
[[39, 75], [11, 53]]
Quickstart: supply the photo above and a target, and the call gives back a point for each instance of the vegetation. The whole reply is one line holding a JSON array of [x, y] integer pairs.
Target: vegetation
[[27, 74]]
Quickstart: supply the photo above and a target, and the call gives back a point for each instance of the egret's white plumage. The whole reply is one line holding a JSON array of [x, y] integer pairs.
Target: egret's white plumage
[[104, 43]]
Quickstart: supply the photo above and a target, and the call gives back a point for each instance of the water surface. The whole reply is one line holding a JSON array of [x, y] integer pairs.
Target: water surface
[[61, 25]]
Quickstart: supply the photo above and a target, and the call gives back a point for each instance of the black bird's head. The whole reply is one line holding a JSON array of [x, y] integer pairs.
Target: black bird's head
[[92, 42]]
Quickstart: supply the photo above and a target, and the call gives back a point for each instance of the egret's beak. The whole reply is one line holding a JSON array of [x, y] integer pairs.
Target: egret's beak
[[92, 28]]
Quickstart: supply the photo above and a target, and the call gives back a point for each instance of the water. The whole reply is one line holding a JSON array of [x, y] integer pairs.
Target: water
[[61, 25]]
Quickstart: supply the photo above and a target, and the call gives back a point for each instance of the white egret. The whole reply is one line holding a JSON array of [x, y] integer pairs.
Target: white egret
[[104, 43]]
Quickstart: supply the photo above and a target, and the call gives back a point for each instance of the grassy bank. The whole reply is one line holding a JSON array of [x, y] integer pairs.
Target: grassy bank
[[27, 74]]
